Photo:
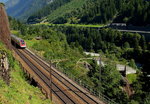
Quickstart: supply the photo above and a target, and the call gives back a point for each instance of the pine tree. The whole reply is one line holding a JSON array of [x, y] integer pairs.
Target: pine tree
[[143, 43]]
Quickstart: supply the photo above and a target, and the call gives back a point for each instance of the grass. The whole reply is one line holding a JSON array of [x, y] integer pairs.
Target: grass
[[19, 91], [14, 32], [67, 8], [131, 77], [30, 43], [83, 25], [73, 25]]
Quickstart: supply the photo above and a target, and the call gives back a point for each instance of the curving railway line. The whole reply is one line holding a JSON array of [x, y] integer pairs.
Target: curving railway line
[[65, 90]]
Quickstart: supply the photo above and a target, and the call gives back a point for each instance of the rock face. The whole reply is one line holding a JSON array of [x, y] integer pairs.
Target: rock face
[[4, 68], [4, 27]]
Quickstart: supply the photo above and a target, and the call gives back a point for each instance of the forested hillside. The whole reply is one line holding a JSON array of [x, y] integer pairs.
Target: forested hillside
[[134, 12], [22, 9], [129, 48], [85, 11], [56, 14], [35, 17]]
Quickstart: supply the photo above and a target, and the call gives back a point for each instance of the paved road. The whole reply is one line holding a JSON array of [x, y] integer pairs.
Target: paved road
[[124, 28], [135, 31]]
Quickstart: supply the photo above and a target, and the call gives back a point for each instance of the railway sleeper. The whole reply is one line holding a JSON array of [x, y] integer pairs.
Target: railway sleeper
[[48, 95], [44, 92]]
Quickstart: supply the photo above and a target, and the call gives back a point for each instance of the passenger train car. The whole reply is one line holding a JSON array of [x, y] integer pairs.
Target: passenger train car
[[18, 41]]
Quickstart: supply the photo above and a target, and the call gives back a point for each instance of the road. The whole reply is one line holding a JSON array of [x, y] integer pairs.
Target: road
[[135, 31], [118, 27]]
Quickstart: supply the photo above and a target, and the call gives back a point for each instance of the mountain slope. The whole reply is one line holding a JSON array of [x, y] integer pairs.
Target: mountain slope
[[47, 10], [67, 10], [84, 11], [3, 1], [21, 9], [11, 3], [61, 8], [135, 12]]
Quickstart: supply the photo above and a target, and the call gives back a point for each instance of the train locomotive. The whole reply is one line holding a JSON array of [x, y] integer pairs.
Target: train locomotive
[[18, 41]]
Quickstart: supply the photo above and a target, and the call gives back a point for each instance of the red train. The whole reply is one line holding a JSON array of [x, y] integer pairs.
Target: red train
[[18, 41]]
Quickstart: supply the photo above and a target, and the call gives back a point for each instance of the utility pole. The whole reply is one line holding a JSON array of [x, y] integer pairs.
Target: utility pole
[[100, 65], [50, 79]]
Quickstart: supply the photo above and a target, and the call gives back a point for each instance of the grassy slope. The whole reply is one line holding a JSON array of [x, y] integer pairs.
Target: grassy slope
[[131, 77], [19, 91], [75, 25], [67, 8]]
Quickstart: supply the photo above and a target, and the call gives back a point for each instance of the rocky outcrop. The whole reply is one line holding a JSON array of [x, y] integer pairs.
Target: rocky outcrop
[[4, 68], [4, 27]]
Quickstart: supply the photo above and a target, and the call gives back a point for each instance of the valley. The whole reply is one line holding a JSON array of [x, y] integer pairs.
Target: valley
[[61, 31]]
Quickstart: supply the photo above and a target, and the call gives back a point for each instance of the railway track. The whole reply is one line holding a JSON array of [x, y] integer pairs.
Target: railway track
[[83, 95], [56, 90], [66, 91]]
